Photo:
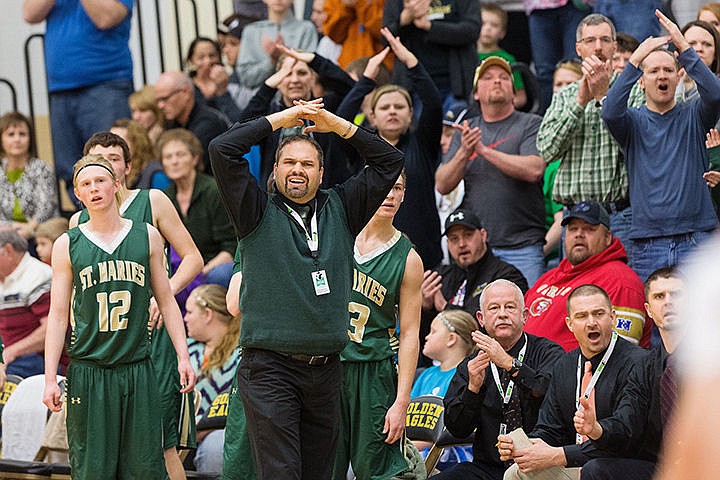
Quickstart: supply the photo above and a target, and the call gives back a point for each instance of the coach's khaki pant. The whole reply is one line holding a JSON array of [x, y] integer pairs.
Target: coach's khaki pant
[[552, 473]]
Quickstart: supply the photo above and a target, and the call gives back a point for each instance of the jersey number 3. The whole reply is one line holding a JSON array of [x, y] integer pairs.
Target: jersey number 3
[[358, 323], [113, 319]]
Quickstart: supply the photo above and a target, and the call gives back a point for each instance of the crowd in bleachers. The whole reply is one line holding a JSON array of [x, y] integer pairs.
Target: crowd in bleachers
[[599, 164]]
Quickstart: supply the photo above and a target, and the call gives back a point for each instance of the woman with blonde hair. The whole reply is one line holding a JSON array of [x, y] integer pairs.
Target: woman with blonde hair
[[448, 344], [214, 355], [146, 112], [710, 13]]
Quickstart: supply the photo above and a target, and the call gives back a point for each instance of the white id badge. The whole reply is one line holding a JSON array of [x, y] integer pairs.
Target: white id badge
[[320, 282], [503, 429]]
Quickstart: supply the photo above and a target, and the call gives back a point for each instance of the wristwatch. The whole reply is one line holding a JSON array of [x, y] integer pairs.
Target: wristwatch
[[599, 103], [515, 369]]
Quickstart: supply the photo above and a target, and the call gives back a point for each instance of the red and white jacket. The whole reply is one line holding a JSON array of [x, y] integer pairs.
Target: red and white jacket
[[608, 270]]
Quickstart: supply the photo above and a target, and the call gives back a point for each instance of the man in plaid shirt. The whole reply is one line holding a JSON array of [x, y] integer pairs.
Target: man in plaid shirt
[[591, 166]]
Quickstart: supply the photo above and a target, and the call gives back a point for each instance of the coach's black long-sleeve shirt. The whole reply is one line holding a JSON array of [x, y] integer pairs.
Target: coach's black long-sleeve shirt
[[245, 201], [466, 410], [555, 421]]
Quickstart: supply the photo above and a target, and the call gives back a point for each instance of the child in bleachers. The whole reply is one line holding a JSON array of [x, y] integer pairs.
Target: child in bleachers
[[447, 344], [494, 27], [45, 235]]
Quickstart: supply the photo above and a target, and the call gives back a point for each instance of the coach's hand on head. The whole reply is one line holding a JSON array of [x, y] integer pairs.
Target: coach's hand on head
[[293, 117]]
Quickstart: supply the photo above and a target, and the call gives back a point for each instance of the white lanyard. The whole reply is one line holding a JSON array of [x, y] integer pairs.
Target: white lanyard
[[506, 396], [595, 377], [312, 236]]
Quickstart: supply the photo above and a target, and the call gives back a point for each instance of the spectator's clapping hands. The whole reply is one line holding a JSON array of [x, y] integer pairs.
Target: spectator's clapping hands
[[220, 79], [432, 296], [596, 76], [272, 47], [712, 140], [675, 34], [469, 140], [476, 371], [306, 57], [494, 350], [400, 50], [287, 65], [373, 66]]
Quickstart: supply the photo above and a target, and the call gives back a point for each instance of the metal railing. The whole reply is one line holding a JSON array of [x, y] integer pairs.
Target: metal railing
[[13, 92]]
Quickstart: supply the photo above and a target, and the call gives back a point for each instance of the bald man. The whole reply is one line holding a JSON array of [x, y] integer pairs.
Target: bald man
[[175, 95]]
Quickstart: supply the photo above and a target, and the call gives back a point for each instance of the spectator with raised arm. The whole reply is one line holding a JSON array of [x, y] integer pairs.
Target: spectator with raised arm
[[664, 145], [392, 111]]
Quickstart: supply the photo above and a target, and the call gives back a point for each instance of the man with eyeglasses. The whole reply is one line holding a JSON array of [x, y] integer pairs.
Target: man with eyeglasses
[[591, 164], [175, 95]]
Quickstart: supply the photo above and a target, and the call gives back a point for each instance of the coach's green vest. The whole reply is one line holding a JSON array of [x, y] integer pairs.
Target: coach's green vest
[[280, 310]]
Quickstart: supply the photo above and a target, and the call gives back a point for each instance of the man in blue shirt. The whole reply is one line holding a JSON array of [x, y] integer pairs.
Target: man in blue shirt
[[89, 71], [664, 147]]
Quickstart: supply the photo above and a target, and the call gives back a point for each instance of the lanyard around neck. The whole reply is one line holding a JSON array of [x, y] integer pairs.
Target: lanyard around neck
[[508, 393], [598, 371], [312, 236]]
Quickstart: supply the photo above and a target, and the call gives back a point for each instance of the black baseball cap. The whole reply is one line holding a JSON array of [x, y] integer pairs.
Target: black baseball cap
[[463, 217], [591, 212]]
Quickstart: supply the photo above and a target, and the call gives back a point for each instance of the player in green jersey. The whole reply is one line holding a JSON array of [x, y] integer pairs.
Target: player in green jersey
[[375, 393], [104, 273], [154, 207]]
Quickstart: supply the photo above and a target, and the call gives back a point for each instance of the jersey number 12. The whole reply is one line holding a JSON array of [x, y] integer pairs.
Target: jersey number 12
[[113, 319]]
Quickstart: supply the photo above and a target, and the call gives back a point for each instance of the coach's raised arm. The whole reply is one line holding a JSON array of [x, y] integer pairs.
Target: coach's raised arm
[[296, 250]]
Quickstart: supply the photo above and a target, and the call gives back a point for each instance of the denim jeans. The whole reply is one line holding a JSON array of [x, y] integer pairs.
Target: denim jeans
[[634, 17], [209, 453], [552, 36], [221, 274], [529, 260], [75, 115], [27, 365], [648, 254]]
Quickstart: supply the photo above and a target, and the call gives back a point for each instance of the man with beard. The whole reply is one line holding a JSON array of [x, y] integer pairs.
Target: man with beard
[[594, 256], [299, 76], [296, 249], [495, 154], [591, 165]]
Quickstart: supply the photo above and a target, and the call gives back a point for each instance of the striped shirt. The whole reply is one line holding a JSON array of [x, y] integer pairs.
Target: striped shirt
[[591, 164], [215, 382]]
